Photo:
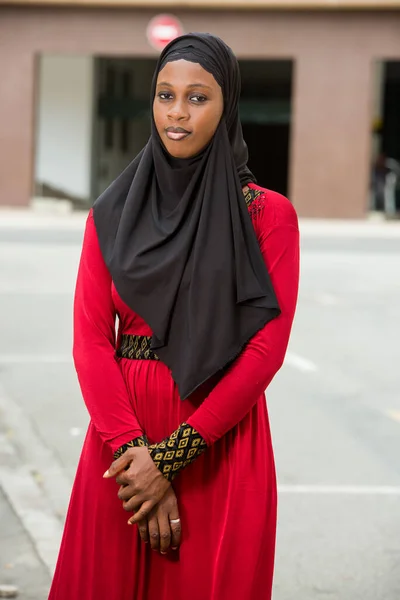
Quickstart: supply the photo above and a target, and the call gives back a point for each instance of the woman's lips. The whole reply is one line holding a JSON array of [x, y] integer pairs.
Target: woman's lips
[[177, 136]]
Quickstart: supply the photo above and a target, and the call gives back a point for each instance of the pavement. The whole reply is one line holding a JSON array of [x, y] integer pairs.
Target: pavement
[[334, 409]]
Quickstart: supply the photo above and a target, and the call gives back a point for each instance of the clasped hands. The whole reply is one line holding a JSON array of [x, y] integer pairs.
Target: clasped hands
[[145, 491]]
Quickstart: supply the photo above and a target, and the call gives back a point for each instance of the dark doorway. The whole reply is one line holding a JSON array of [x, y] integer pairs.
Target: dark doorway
[[265, 112], [269, 158], [385, 171], [122, 117]]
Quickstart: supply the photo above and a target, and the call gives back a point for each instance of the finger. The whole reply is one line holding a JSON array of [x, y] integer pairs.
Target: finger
[[154, 532], [126, 492], [123, 478], [143, 530], [143, 512], [118, 465], [133, 505], [165, 532], [176, 532]]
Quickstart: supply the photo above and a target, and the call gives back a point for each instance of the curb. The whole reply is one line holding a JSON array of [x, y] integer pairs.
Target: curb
[[33, 481]]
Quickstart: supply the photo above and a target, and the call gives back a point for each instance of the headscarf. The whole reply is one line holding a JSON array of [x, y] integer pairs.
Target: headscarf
[[178, 241]]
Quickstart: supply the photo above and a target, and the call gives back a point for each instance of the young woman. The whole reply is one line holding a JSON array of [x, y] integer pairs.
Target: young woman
[[200, 265]]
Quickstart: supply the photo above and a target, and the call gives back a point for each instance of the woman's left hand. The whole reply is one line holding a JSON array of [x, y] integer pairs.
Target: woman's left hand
[[163, 525], [142, 484]]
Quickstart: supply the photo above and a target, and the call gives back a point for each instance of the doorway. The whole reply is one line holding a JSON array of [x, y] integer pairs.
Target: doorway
[[265, 112], [122, 118], [385, 169]]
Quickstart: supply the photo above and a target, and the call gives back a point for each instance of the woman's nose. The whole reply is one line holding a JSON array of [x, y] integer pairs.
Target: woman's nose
[[178, 111]]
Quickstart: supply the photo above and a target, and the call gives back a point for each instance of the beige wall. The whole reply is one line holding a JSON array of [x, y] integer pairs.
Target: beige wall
[[334, 54], [217, 4]]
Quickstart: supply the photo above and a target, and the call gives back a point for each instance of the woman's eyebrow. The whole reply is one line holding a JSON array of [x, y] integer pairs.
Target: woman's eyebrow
[[191, 85], [199, 85]]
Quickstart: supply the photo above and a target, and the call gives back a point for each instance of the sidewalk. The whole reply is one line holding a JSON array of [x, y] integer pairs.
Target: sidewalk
[[19, 562], [30, 526], [31, 219]]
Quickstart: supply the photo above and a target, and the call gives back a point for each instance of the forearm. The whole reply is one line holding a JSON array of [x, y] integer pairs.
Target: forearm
[[105, 393], [174, 453], [136, 442], [103, 387], [243, 384], [246, 380]]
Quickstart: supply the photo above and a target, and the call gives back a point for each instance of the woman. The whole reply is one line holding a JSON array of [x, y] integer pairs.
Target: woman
[[201, 267]]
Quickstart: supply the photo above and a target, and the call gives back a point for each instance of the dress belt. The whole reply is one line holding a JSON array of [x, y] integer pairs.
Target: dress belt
[[136, 347]]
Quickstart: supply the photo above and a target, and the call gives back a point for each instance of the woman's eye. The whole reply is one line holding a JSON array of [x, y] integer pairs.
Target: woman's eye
[[198, 99], [165, 95]]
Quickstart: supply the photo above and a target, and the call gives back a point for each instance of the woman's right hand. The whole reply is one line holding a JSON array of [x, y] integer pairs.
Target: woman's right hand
[[142, 484], [157, 527]]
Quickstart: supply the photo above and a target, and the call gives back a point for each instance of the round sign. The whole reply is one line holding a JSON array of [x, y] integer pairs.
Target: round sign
[[162, 30]]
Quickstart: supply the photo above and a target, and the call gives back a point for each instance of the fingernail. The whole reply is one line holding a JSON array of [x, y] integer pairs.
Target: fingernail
[[174, 547], [107, 473], [162, 552], [129, 523]]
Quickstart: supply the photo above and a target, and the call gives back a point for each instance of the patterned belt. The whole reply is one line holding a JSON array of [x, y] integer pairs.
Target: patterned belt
[[136, 347]]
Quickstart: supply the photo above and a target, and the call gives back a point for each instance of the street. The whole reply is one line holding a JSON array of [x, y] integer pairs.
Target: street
[[334, 410]]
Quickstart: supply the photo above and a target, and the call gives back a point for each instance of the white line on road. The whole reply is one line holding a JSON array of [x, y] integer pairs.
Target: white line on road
[[343, 490], [300, 363], [393, 414], [20, 291], [26, 359]]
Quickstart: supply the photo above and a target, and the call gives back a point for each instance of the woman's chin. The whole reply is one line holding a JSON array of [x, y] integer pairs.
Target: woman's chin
[[179, 153]]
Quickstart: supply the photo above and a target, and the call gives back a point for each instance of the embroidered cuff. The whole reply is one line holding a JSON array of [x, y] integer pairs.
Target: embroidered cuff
[[177, 451], [137, 442]]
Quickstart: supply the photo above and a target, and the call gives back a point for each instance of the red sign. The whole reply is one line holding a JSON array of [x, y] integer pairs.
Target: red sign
[[162, 30]]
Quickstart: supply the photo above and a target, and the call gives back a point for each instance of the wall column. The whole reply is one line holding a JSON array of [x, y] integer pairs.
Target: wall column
[[16, 124], [331, 132]]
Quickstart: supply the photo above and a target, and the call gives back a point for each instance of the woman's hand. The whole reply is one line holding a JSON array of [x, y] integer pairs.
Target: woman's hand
[[158, 528], [142, 484]]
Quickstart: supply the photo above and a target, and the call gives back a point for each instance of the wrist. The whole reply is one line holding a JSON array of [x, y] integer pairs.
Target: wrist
[[177, 451], [138, 442]]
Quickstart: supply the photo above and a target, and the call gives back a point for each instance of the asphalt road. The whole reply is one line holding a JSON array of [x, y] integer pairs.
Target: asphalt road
[[334, 409]]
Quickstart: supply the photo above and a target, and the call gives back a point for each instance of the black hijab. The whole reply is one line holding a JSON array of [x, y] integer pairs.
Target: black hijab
[[178, 241]]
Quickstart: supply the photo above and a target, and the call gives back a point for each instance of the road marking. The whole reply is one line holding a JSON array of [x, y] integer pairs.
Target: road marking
[[342, 490], [300, 363], [15, 290], [75, 431], [26, 359], [326, 299], [393, 414]]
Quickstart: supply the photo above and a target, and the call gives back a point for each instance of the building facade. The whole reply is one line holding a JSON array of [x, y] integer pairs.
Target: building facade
[[316, 82]]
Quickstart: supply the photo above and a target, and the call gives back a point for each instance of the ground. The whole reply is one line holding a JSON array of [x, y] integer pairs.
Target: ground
[[334, 409]]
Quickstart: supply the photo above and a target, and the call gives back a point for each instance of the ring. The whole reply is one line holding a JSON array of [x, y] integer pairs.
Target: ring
[[174, 521]]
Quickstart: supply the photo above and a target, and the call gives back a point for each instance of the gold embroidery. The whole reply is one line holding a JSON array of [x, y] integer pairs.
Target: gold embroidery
[[255, 200], [178, 451], [136, 443], [136, 347], [250, 195]]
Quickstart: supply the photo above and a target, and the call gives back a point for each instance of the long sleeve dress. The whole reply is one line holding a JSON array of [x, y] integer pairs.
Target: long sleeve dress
[[227, 498]]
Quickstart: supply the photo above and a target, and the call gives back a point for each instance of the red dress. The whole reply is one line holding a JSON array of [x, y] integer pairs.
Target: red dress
[[227, 497]]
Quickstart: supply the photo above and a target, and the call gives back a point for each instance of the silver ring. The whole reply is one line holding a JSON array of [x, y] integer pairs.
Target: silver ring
[[174, 521]]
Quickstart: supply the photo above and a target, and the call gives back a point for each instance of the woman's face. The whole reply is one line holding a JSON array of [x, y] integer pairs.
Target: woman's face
[[187, 107]]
